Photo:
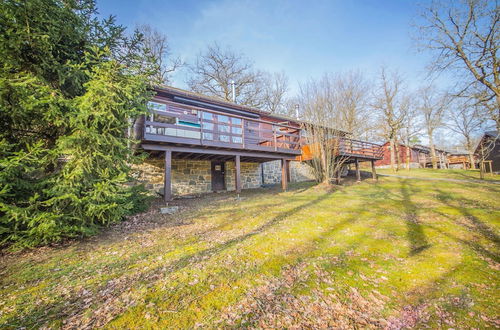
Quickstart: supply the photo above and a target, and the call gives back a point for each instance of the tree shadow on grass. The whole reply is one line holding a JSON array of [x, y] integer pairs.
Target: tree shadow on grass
[[38, 315], [415, 234]]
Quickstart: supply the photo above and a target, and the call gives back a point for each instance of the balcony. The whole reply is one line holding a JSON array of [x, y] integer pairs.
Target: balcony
[[170, 122], [348, 148]]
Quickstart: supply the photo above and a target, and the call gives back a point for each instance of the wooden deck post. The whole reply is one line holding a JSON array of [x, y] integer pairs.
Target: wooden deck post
[[358, 174], [237, 172], [374, 173], [338, 174], [167, 189], [284, 180]]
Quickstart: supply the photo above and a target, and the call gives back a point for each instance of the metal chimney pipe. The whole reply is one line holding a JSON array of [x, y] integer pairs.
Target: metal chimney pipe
[[234, 91]]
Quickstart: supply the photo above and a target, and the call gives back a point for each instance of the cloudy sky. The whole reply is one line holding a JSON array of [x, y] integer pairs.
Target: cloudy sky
[[302, 38]]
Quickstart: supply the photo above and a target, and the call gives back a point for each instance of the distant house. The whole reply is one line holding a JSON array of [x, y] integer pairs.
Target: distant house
[[460, 159], [488, 149], [420, 156]]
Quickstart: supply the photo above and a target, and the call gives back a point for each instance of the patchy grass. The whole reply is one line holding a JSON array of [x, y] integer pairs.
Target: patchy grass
[[457, 174], [397, 253]]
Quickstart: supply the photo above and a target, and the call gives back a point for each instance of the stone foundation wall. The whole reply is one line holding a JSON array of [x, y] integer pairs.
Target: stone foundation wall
[[194, 177], [299, 172], [188, 176], [250, 175]]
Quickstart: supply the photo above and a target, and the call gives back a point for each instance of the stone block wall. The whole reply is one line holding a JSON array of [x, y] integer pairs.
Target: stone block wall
[[250, 175], [188, 176], [299, 172]]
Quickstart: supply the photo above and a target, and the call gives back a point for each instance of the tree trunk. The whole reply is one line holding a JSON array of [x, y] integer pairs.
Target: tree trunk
[[393, 156], [398, 157], [468, 145], [408, 156], [433, 152]]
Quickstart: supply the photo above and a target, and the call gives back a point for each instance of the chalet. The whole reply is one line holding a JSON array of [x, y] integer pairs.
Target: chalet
[[461, 159], [418, 155], [488, 151], [200, 144]]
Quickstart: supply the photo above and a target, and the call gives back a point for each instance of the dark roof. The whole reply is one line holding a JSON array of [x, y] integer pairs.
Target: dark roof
[[491, 133]]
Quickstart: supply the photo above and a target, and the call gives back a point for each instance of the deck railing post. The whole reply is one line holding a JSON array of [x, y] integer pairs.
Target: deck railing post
[[243, 132], [274, 138]]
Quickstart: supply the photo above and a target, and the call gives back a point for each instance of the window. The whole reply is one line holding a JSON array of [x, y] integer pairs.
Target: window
[[224, 138], [188, 123], [208, 126], [236, 121], [222, 119], [208, 116], [237, 139], [236, 130], [223, 128], [208, 136], [164, 119], [152, 105]]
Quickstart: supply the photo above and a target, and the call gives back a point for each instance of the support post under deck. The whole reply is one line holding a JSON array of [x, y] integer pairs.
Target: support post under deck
[[167, 189], [374, 173], [237, 179], [284, 179], [358, 174]]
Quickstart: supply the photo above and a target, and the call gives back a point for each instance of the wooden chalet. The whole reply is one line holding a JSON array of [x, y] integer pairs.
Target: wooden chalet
[[189, 126], [488, 151]]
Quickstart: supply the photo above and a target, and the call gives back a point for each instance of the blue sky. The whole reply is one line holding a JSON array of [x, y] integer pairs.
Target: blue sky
[[302, 38]]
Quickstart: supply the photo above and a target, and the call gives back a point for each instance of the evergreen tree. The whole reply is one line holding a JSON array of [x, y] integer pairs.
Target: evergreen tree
[[68, 86]]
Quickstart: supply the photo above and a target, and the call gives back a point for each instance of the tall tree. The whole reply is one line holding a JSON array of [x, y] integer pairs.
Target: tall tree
[[157, 53], [391, 103], [432, 105], [467, 120], [216, 68], [275, 92], [66, 95], [464, 37]]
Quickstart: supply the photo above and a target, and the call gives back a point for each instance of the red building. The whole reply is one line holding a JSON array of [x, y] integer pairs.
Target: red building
[[418, 156]]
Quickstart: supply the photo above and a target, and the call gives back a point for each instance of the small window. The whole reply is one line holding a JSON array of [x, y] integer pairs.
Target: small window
[[152, 105], [222, 119], [164, 119], [236, 130], [224, 138], [208, 136], [236, 121], [188, 123], [223, 128], [208, 126], [208, 116], [237, 139]]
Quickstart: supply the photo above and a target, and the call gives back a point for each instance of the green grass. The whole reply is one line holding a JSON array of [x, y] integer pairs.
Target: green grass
[[400, 252], [457, 174]]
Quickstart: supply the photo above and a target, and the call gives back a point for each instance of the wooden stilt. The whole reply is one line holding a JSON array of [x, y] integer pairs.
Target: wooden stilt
[[374, 172], [358, 173], [338, 174], [237, 173], [167, 190], [284, 180]]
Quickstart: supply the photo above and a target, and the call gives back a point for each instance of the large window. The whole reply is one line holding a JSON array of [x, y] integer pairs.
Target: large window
[[152, 105]]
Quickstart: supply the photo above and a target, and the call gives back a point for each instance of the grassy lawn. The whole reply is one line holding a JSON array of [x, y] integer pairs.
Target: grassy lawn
[[445, 174], [397, 253]]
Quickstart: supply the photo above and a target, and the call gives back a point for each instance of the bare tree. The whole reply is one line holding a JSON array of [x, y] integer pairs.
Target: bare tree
[[320, 106], [352, 91], [464, 36], [157, 50], [467, 120], [391, 103], [216, 68], [410, 130], [275, 92], [432, 105]]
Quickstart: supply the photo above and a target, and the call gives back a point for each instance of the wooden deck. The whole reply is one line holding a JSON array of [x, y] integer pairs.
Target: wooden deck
[[194, 126], [350, 148]]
